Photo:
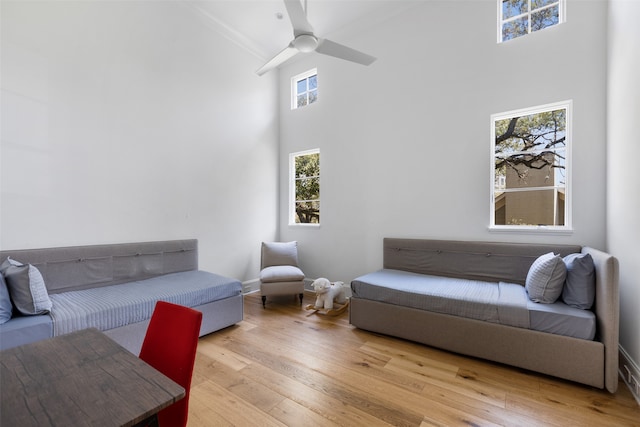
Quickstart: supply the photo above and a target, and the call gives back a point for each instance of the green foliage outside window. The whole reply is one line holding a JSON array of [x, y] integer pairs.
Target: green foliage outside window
[[307, 188]]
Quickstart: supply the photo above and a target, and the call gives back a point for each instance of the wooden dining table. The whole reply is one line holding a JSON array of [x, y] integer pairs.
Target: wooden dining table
[[80, 379]]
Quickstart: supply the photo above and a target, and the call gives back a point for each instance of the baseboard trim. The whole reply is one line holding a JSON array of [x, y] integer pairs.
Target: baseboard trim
[[308, 284], [253, 285], [250, 286], [630, 372]]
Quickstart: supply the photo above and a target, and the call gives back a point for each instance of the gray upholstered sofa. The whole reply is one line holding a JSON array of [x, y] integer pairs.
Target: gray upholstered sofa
[[391, 301], [114, 288]]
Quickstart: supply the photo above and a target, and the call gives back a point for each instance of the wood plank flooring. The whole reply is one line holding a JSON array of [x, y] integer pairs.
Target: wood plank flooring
[[283, 366]]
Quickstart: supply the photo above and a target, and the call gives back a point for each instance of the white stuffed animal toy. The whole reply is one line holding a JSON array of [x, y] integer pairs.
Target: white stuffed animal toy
[[327, 292]]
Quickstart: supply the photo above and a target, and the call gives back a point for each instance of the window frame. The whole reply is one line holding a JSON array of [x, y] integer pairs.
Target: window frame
[[292, 187], [567, 228], [562, 17], [294, 88]]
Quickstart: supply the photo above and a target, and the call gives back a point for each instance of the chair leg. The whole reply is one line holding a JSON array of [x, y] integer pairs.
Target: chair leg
[[300, 299], [264, 300]]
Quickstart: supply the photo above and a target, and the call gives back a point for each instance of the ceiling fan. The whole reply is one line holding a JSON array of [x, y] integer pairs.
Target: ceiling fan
[[305, 41]]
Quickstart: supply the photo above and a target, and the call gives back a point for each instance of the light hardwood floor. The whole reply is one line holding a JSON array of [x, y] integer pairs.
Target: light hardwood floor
[[285, 366]]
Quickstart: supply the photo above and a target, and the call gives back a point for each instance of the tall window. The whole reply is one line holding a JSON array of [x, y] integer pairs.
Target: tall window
[[304, 189], [304, 89], [520, 17], [530, 167]]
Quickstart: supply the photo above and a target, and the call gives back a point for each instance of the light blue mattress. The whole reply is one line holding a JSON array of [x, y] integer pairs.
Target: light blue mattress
[[561, 319], [110, 307], [24, 330], [503, 303]]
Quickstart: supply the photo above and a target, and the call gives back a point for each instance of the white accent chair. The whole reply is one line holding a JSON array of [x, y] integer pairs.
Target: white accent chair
[[279, 271]]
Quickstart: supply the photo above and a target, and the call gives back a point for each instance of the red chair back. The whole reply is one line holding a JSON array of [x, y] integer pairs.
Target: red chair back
[[170, 346]]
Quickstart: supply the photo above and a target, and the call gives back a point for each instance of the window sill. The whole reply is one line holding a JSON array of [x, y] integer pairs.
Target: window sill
[[304, 225], [534, 229]]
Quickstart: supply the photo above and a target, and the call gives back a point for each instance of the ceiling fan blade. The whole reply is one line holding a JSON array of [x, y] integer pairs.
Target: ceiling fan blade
[[327, 47], [298, 18], [284, 55]]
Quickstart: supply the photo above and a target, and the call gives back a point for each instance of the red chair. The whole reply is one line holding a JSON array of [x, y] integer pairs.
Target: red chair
[[170, 346]]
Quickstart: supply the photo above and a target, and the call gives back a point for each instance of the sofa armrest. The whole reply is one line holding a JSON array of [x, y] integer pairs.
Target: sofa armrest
[[607, 309]]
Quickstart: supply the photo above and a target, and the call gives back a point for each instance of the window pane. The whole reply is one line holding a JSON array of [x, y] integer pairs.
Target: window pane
[[304, 196], [531, 133], [537, 207], [544, 18], [515, 28], [530, 175], [560, 169], [313, 96], [500, 176], [302, 86], [307, 165], [513, 8], [308, 189], [535, 4], [307, 212], [544, 169]]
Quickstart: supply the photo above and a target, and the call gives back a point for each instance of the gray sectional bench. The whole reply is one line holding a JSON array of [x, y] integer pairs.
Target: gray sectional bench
[[115, 287], [470, 298]]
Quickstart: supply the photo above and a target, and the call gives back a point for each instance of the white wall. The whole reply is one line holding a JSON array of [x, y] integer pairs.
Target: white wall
[[134, 121], [623, 197], [405, 143]]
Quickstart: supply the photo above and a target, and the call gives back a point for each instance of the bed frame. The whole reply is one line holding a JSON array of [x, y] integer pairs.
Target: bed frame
[[82, 267], [594, 363]]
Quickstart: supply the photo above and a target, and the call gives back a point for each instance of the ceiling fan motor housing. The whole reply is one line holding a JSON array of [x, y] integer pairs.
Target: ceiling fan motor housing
[[305, 43]]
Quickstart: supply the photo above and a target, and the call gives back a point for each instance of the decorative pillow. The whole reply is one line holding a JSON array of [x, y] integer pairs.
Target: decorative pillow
[[8, 263], [6, 308], [279, 253], [26, 288], [545, 278], [580, 286]]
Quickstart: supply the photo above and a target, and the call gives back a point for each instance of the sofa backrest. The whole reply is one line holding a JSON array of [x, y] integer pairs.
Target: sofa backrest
[[83, 267], [488, 261]]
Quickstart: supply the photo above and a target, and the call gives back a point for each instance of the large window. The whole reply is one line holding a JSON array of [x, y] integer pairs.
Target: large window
[[520, 17], [304, 89], [531, 168], [304, 190]]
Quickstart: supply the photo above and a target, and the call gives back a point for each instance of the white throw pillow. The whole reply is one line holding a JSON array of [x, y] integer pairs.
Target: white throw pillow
[[545, 278]]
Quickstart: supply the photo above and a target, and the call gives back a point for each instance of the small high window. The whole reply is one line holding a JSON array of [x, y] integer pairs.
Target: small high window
[[304, 187], [520, 17], [531, 165], [304, 89]]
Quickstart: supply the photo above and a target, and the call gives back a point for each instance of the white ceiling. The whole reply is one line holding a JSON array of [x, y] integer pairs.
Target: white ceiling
[[254, 23]]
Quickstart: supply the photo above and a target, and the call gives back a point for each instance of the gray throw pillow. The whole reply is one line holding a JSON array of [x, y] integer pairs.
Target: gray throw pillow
[[8, 262], [26, 288], [279, 253], [545, 278], [580, 286], [6, 308]]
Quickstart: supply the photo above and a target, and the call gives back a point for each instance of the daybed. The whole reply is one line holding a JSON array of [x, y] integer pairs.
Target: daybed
[[392, 301], [114, 288]]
